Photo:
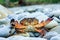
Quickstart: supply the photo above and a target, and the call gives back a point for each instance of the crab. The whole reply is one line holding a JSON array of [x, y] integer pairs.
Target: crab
[[30, 25]]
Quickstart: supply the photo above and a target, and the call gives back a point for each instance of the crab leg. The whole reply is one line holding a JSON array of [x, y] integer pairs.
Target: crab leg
[[42, 32]]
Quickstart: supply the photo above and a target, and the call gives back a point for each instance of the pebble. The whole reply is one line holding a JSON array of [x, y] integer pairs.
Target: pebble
[[56, 29], [51, 34]]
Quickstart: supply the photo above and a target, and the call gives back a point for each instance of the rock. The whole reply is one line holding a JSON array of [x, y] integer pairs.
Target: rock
[[15, 37], [55, 13], [24, 34], [40, 16], [13, 16], [47, 10], [40, 9], [24, 38], [1, 38], [34, 34], [56, 29], [23, 15], [4, 10], [19, 11], [59, 17], [55, 37], [51, 34], [34, 38], [4, 21], [31, 34], [56, 19], [2, 15], [5, 31], [30, 9]]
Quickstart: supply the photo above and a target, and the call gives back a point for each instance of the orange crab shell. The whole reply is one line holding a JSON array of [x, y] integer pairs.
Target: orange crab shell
[[29, 21]]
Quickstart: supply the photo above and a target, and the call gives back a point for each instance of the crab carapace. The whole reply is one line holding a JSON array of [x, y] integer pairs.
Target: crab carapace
[[30, 24]]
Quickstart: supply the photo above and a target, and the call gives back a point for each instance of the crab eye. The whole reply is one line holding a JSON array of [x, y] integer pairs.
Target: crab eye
[[12, 20]]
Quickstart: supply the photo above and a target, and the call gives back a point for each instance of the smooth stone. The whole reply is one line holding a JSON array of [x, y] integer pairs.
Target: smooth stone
[[5, 21], [47, 10], [18, 37], [57, 37], [3, 15], [13, 16], [56, 29], [1, 38], [40, 16], [5, 10], [19, 11], [55, 13], [5, 31], [56, 19], [51, 34], [24, 34], [34, 34]]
